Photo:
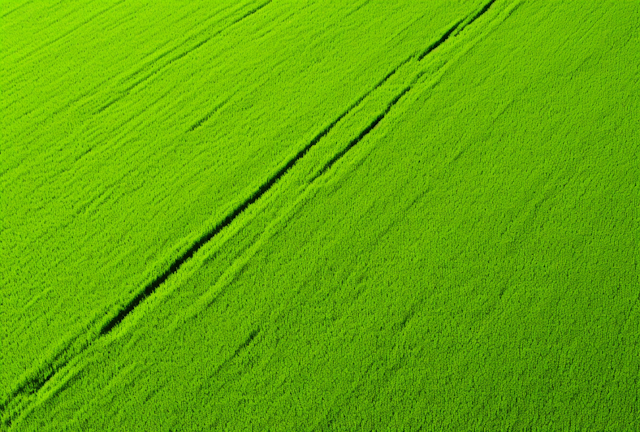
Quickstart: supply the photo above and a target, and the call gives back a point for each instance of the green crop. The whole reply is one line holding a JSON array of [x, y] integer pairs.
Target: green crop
[[321, 215]]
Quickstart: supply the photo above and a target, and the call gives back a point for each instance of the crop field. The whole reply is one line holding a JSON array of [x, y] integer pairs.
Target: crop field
[[320, 215]]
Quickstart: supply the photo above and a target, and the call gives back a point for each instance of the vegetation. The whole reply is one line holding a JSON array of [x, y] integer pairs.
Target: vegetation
[[314, 215]]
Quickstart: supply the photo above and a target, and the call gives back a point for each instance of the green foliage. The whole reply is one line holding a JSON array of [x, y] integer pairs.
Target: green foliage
[[285, 216], [105, 178]]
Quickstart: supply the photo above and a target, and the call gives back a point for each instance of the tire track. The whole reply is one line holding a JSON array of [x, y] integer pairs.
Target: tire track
[[17, 399], [226, 221], [440, 41], [20, 398], [280, 173], [371, 126], [482, 11], [362, 134]]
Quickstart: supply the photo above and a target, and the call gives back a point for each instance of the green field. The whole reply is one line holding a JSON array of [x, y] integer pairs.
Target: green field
[[320, 215]]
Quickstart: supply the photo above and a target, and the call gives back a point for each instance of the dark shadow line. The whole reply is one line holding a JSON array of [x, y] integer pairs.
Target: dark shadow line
[[379, 118], [35, 384], [482, 11], [210, 114], [361, 136], [238, 350], [440, 41], [262, 189]]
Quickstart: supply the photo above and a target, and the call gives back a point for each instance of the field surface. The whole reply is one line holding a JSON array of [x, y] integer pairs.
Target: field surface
[[320, 215]]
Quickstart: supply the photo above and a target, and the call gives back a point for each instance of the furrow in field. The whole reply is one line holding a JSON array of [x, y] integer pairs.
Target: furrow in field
[[255, 196], [36, 380], [32, 384], [6, 14], [182, 43], [69, 32], [177, 57], [484, 9], [460, 25], [98, 89], [217, 108], [219, 288], [440, 41], [448, 311], [362, 134], [19, 398], [244, 345], [267, 186]]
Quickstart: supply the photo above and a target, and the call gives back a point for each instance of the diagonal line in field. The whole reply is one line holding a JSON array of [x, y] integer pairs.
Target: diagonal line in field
[[33, 384]]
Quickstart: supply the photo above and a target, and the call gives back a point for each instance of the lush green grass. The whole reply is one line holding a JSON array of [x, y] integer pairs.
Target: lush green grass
[[116, 162], [398, 222]]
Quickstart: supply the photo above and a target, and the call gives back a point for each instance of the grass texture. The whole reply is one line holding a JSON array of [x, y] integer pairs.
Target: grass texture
[[320, 215]]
